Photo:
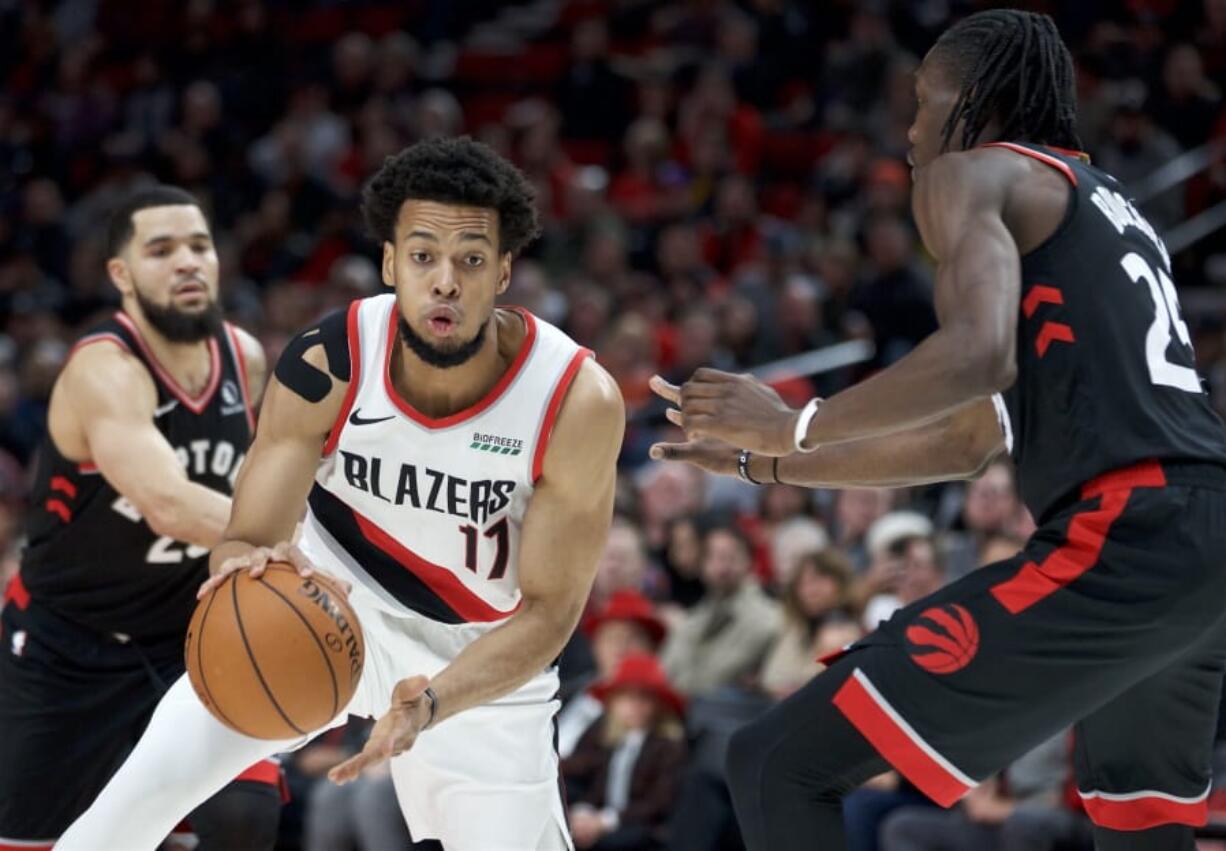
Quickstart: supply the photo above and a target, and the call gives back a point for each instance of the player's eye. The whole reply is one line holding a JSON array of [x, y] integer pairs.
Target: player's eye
[[474, 260], [420, 257]]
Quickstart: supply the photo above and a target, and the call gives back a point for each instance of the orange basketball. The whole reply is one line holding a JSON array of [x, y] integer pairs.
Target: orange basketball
[[275, 657]]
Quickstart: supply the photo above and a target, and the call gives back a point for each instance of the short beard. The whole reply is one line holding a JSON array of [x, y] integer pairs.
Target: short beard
[[436, 357], [180, 327]]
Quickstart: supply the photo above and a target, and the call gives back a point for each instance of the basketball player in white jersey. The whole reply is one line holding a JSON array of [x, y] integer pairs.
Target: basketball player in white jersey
[[458, 464]]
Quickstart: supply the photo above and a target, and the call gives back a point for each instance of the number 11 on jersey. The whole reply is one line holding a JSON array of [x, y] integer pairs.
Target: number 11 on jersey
[[501, 534]]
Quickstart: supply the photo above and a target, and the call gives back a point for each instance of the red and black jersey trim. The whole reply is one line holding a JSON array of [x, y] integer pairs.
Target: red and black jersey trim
[[425, 588]]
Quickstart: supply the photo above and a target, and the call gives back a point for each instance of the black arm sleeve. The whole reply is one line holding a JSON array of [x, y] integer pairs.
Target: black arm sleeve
[[309, 382]]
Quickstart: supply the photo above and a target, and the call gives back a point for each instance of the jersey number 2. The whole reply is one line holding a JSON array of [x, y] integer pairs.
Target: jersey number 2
[[501, 534], [1166, 314]]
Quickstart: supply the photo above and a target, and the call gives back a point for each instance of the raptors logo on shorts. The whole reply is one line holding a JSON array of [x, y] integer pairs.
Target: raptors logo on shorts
[[943, 639]]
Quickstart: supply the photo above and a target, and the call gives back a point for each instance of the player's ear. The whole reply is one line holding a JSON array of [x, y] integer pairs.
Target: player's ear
[[389, 265], [117, 271], [504, 272]]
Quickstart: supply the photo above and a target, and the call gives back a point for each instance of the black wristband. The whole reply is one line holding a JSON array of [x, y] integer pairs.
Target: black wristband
[[742, 467], [429, 693]]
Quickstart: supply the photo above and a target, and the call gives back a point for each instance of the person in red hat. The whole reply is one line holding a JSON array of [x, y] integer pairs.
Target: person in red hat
[[624, 775], [627, 623]]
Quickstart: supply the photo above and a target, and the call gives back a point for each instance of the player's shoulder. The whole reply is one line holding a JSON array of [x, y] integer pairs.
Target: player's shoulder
[[592, 418], [317, 359], [105, 360], [984, 171]]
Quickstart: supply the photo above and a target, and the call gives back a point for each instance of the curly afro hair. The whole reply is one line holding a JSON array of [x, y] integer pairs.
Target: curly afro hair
[[453, 171]]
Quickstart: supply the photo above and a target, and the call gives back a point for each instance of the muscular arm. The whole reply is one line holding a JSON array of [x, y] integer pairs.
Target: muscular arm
[[102, 411], [957, 446], [958, 202], [564, 531], [276, 477]]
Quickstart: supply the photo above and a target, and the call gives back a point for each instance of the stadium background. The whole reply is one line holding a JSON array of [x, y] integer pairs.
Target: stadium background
[[722, 183]]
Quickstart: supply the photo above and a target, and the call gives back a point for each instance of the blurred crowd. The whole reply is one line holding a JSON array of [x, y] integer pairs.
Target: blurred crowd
[[722, 183]]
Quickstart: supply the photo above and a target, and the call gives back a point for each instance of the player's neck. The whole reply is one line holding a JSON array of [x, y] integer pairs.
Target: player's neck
[[438, 392], [189, 364]]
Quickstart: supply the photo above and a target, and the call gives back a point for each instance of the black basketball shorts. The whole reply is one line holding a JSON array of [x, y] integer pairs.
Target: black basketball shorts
[[1112, 620], [72, 705]]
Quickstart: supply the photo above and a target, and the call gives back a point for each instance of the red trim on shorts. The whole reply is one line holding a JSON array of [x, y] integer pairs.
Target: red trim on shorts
[[195, 404], [60, 508], [268, 772], [64, 485], [16, 593], [1141, 811], [477, 407], [441, 581], [1087, 533], [87, 468], [26, 844], [1046, 159], [901, 746], [241, 360], [551, 411], [355, 374], [1040, 294]]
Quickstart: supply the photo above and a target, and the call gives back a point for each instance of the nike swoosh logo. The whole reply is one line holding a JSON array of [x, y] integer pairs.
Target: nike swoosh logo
[[165, 409], [356, 420]]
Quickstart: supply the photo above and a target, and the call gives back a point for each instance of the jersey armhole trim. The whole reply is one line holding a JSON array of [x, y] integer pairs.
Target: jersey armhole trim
[[103, 337], [1046, 159], [240, 362], [355, 377], [551, 411]]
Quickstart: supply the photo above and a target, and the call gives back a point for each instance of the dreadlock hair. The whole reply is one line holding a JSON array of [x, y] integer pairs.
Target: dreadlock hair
[[1014, 67]]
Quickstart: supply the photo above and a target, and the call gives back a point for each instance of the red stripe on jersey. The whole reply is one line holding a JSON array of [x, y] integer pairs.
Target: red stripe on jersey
[[1142, 811], [551, 411], [355, 373], [59, 483], [16, 592], [56, 506], [1050, 332], [1087, 533], [104, 337], [26, 844], [1040, 294], [87, 468], [477, 407], [195, 404], [1047, 159], [438, 579], [241, 360], [900, 745]]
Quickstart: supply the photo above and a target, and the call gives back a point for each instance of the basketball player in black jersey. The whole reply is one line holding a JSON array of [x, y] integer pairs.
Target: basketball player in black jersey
[[147, 426], [1055, 292]]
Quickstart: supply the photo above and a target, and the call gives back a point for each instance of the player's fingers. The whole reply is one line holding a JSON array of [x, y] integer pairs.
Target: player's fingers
[[349, 770], [675, 417], [285, 551], [669, 392], [259, 560], [687, 451]]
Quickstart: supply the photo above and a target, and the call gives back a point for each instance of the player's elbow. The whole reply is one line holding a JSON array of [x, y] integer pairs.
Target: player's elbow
[[166, 515], [989, 366]]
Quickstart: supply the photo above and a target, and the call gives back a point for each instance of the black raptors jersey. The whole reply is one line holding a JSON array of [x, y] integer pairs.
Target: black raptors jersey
[[91, 557], [1106, 375]]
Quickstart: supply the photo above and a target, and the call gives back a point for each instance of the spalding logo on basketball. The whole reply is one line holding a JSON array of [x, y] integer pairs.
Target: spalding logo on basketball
[[943, 639]]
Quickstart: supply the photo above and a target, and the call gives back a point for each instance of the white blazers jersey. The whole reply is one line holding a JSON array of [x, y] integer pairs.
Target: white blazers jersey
[[427, 513]]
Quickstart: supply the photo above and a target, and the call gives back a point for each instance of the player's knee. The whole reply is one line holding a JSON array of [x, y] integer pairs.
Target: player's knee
[[244, 816]]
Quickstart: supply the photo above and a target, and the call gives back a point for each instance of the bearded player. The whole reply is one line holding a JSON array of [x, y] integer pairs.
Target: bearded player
[[147, 426], [1054, 291], [457, 462]]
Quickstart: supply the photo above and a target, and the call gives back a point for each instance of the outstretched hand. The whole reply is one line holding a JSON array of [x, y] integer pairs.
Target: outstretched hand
[[736, 410], [394, 733]]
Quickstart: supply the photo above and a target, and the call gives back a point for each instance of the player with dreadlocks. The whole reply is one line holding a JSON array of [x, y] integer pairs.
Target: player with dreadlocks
[[1060, 340]]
